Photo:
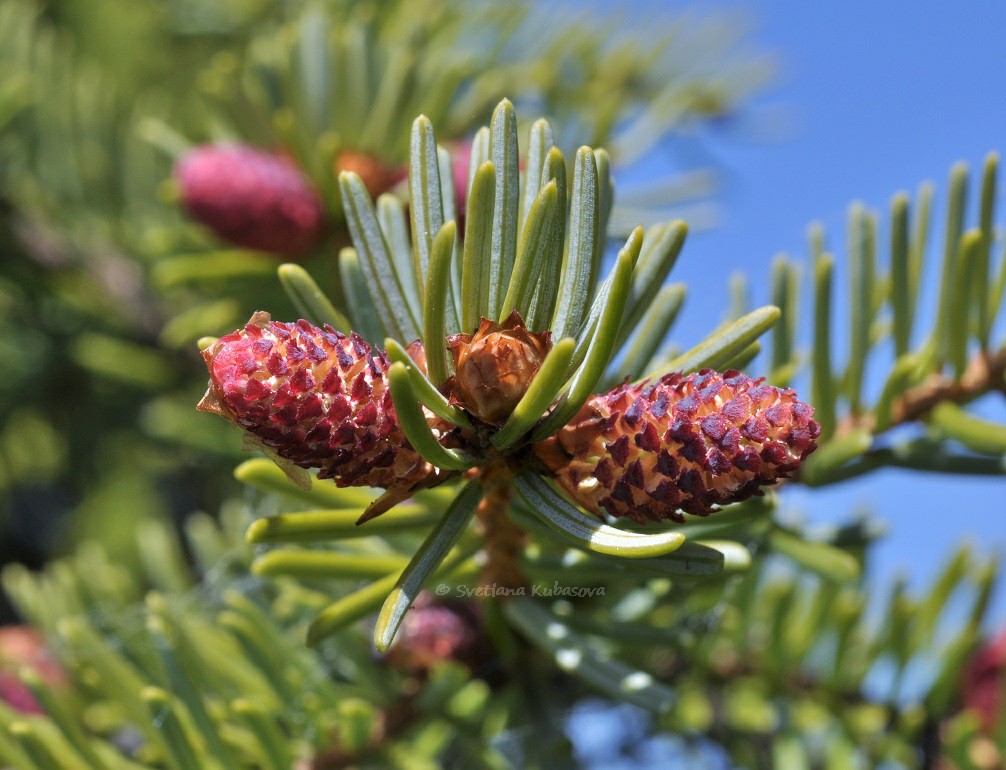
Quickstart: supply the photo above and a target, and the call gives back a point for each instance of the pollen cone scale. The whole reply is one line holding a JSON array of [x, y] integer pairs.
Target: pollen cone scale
[[378, 176]]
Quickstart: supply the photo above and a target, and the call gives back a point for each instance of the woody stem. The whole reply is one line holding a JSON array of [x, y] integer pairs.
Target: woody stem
[[504, 541], [985, 373]]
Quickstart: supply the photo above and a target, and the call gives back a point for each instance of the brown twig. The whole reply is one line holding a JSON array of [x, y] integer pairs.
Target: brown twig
[[985, 373], [504, 540]]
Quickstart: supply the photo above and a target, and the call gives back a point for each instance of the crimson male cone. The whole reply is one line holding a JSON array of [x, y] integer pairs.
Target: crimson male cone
[[316, 398], [254, 199]]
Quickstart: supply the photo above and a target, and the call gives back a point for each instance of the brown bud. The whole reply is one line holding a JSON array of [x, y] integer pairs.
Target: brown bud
[[378, 176], [494, 368]]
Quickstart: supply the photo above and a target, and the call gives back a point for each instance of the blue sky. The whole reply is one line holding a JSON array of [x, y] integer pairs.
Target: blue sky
[[870, 98]]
